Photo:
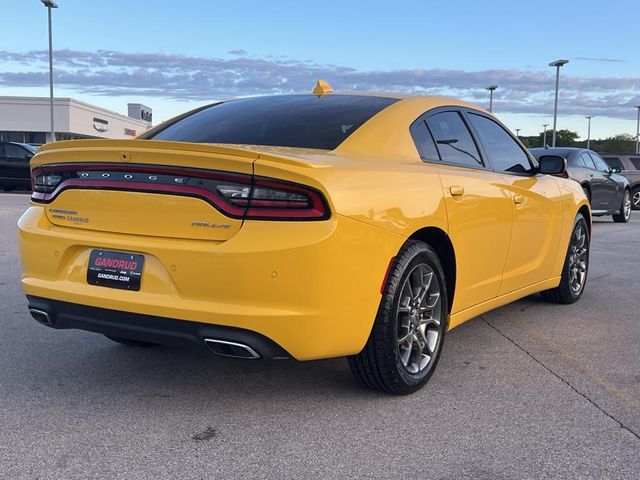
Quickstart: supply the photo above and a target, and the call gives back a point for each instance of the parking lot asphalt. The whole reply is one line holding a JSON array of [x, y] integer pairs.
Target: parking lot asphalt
[[531, 390]]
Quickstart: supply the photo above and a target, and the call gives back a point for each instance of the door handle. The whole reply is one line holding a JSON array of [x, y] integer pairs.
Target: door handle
[[518, 200], [456, 190]]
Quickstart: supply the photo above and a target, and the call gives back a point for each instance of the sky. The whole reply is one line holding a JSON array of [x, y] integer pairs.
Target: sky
[[177, 55]]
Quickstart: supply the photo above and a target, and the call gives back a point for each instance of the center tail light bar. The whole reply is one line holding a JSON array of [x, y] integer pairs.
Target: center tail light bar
[[235, 195]]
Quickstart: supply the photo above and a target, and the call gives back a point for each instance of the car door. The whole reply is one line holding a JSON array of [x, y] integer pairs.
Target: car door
[[16, 164], [478, 206], [612, 193], [536, 205]]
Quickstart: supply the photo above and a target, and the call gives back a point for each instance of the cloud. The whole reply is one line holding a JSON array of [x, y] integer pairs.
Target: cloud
[[239, 53], [595, 59], [182, 77]]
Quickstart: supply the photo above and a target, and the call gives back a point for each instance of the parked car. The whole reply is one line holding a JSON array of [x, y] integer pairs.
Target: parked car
[[14, 165], [304, 226], [629, 166], [608, 192]]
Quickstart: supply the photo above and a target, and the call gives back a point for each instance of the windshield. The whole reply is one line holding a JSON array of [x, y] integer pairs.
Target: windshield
[[306, 121]]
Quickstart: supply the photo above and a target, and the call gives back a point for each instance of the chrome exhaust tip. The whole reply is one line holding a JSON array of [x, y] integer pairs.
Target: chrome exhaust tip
[[231, 349], [40, 316]]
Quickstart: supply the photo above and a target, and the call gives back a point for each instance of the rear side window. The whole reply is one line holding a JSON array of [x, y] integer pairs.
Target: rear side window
[[424, 141], [600, 164], [636, 162], [503, 151], [586, 160], [306, 121], [614, 162], [453, 139]]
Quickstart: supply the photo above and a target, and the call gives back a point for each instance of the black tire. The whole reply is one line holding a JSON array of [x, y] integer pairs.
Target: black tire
[[380, 365], [130, 342], [565, 293], [625, 209], [635, 198]]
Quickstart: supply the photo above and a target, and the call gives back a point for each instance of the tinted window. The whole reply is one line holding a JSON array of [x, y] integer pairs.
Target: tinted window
[[636, 162], [504, 153], [14, 151], [586, 160], [575, 161], [289, 121], [453, 139], [614, 162], [600, 164], [424, 141]]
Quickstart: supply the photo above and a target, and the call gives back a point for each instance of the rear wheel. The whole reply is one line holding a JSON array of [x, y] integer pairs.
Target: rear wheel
[[635, 198], [576, 266], [130, 342], [407, 335], [625, 209]]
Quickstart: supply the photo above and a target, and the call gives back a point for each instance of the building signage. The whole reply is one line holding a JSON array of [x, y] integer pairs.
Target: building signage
[[130, 132], [100, 125]]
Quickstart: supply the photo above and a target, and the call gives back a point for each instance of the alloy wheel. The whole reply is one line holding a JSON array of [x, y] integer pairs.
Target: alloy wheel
[[578, 252], [419, 319], [636, 199]]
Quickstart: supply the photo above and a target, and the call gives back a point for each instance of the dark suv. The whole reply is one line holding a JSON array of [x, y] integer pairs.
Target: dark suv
[[14, 165], [629, 166], [608, 192]]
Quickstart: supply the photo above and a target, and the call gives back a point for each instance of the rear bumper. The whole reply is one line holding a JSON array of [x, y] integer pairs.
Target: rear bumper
[[312, 288], [148, 328]]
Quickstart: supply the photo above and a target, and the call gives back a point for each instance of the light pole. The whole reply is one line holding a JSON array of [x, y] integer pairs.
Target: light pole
[[589, 117], [491, 88], [544, 135], [638, 132], [557, 64], [50, 4], [518, 132]]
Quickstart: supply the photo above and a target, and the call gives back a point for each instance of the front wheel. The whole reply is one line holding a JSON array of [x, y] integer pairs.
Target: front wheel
[[625, 209], [407, 335], [576, 266]]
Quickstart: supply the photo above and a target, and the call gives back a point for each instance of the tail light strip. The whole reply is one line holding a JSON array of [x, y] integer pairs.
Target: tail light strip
[[235, 195]]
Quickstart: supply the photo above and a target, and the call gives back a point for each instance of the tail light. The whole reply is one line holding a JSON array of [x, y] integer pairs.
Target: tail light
[[235, 195]]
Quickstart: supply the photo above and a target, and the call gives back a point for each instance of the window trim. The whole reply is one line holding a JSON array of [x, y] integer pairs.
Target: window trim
[[486, 162]]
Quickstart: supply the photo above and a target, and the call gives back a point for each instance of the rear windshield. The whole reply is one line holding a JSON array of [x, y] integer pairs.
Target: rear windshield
[[306, 121]]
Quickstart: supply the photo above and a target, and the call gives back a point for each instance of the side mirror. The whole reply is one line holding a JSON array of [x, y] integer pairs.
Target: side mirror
[[553, 165], [615, 170]]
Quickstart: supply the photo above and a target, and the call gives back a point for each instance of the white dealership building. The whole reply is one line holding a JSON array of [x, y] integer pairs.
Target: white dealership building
[[27, 120]]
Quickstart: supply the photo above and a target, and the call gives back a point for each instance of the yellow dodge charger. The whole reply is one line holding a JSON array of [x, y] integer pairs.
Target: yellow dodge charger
[[306, 226]]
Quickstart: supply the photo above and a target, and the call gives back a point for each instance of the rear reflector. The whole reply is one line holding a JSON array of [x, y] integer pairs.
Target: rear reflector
[[235, 195]]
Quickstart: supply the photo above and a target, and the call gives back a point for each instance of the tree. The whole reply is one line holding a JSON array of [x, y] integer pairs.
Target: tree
[[622, 144], [564, 138]]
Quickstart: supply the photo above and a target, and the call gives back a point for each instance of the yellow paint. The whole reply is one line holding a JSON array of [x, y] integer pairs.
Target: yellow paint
[[322, 88], [312, 287]]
